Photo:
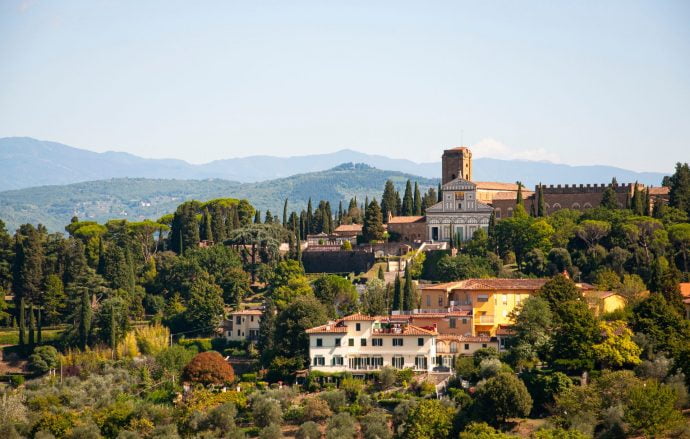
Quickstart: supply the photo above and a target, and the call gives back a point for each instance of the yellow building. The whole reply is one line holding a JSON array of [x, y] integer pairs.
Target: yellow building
[[685, 292], [489, 301], [603, 302]]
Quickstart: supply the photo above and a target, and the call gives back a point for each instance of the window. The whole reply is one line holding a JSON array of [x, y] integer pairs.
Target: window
[[453, 347], [350, 341], [452, 322], [467, 347], [505, 299], [483, 345], [420, 341], [398, 362], [420, 362], [483, 298], [252, 318], [319, 342], [238, 333], [363, 342], [377, 361], [358, 327], [377, 342], [464, 321], [238, 320], [397, 342], [319, 361], [440, 300], [337, 360], [428, 300], [337, 342]]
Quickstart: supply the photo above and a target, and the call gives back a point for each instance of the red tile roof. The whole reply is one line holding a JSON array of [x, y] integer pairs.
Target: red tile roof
[[405, 219], [685, 289], [349, 228], [659, 190], [327, 328], [497, 186], [359, 317], [406, 330], [505, 330], [247, 312]]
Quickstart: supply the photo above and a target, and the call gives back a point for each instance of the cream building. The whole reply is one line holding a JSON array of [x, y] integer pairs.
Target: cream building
[[243, 325], [459, 213], [360, 343]]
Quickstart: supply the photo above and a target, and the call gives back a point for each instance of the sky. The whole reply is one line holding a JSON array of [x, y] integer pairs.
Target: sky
[[585, 82]]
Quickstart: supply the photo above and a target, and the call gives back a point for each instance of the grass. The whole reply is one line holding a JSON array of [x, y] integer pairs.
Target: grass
[[11, 337]]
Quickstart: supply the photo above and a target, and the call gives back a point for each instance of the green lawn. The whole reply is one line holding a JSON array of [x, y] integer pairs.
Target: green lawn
[[11, 337]]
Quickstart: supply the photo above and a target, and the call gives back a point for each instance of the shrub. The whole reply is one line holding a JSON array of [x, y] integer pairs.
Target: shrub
[[43, 359], [375, 426], [502, 397], [352, 387], [175, 358], [153, 339], [341, 426], [271, 431], [201, 344], [127, 347], [209, 368], [404, 376], [266, 411], [430, 418], [248, 377], [17, 380], [386, 377], [308, 430], [335, 398], [316, 409], [490, 367]]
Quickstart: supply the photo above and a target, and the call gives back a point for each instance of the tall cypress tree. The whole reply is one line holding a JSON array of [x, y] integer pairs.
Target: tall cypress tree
[[439, 195], [608, 197], [541, 206], [22, 322], [285, 213], [409, 299], [408, 200], [679, 188], [417, 200], [85, 316], [380, 275], [340, 212], [257, 217], [398, 204], [647, 203], [309, 219], [397, 295], [32, 326], [637, 201], [373, 224], [206, 228], [388, 201], [519, 200], [269, 217], [39, 326]]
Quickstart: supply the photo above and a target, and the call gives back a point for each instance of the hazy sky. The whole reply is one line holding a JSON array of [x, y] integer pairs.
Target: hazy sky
[[578, 82]]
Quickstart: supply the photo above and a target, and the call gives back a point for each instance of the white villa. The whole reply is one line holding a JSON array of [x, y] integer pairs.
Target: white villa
[[360, 343]]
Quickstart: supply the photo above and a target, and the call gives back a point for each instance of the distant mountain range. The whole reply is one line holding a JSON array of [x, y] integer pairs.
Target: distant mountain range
[[27, 162], [139, 198]]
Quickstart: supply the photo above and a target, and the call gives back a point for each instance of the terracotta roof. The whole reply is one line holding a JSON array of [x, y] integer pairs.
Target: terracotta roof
[[443, 286], [359, 317], [407, 330], [659, 190], [405, 219], [497, 186], [466, 338], [436, 315], [600, 294], [684, 289], [491, 284], [247, 312], [459, 148], [330, 327], [349, 228], [505, 330]]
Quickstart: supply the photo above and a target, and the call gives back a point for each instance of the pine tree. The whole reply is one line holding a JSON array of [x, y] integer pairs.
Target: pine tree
[[285, 213], [408, 200], [397, 294], [541, 206], [417, 200], [388, 201], [679, 188], [269, 217], [409, 293]]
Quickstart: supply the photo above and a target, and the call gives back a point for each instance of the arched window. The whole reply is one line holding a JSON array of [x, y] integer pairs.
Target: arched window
[[586, 206], [556, 206], [576, 205]]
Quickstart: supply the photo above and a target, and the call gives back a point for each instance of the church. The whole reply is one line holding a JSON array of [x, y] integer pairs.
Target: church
[[459, 213]]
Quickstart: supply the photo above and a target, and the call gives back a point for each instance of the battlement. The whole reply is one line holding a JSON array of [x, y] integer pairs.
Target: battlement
[[586, 188]]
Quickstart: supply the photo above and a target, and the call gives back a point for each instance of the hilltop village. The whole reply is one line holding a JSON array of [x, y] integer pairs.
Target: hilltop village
[[469, 310]]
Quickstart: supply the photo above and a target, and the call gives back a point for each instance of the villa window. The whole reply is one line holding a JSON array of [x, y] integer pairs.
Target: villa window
[[319, 361], [337, 342], [351, 342], [453, 347], [428, 300], [397, 342], [398, 362], [452, 323], [420, 362], [483, 298], [358, 327], [363, 342], [319, 342], [377, 342], [420, 341], [467, 347], [337, 360]]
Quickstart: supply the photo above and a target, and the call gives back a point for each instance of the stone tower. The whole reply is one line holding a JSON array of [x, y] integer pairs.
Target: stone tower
[[456, 162]]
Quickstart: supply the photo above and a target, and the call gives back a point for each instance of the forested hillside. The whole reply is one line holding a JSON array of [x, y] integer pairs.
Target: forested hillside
[[139, 198]]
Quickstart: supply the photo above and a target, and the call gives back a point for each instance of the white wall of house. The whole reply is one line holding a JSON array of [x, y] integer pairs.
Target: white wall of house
[[244, 327]]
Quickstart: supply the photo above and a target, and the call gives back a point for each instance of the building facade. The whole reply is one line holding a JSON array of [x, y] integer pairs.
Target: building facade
[[361, 344], [459, 214], [243, 325], [408, 228]]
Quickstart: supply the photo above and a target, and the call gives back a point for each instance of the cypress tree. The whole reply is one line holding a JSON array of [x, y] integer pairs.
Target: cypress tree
[[39, 326], [373, 224], [409, 299], [269, 217], [340, 212], [285, 210], [101, 256], [309, 219], [380, 274], [408, 201], [299, 250], [438, 194], [659, 208], [519, 200], [637, 201], [647, 203], [388, 201], [398, 204], [257, 217], [22, 322], [679, 188], [113, 328], [85, 315], [328, 218], [608, 197], [397, 294], [417, 200], [541, 206], [366, 206], [235, 219], [206, 228], [32, 326]]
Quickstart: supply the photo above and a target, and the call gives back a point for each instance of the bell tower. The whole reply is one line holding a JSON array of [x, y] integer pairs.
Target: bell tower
[[456, 163]]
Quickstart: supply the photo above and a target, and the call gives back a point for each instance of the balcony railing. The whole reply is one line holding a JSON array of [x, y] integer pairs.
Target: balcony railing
[[479, 320]]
